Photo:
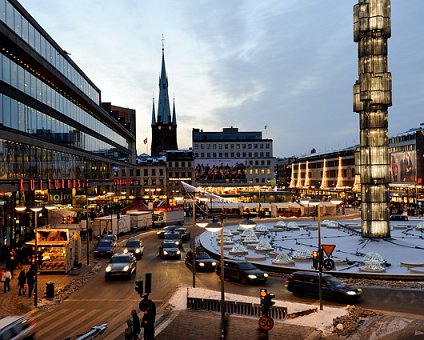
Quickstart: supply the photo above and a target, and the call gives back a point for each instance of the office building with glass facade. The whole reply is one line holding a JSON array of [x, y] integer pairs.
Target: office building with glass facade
[[56, 141]]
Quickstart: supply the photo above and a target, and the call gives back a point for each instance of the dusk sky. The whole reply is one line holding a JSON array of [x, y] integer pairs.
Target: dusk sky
[[288, 65]]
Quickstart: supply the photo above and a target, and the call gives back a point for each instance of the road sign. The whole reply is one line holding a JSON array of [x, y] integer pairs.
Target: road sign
[[329, 264], [266, 323], [328, 248]]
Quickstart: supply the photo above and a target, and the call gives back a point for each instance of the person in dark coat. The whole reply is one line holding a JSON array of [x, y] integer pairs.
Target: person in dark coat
[[30, 278], [136, 324], [21, 282], [148, 307]]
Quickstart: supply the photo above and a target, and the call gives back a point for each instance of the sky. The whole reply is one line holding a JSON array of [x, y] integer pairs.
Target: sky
[[285, 68]]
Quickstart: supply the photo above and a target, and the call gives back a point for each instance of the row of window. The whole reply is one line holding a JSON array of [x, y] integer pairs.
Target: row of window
[[14, 75], [21, 26], [26, 161], [231, 154], [24, 118], [178, 164], [231, 146]]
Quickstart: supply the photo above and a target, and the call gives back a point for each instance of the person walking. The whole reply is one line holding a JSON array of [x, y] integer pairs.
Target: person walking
[[7, 275], [129, 331], [136, 324], [148, 307], [21, 282], [30, 278]]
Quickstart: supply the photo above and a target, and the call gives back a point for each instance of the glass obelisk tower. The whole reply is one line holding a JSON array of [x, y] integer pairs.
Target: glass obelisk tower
[[372, 95]]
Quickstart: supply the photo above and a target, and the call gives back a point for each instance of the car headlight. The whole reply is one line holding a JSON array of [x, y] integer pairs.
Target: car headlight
[[126, 268], [108, 269], [177, 243], [137, 250], [351, 292], [201, 264], [265, 274], [178, 252], [165, 252], [252, 277], [125, 250], [213, 263]]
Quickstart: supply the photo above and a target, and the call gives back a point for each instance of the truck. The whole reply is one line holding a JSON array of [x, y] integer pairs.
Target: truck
[[140, 220], [167, 215], [114, 224]]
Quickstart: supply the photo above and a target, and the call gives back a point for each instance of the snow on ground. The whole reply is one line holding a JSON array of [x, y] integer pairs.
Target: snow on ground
[[320, 320]]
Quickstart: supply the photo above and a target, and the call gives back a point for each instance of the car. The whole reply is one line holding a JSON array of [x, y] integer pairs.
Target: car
[[243, 272], [123, 265], [203, 262], [169, 249], [16, 327], [171, 236], [110, 237], [398, 218], [307, 283], [134, 246], [104, 248], [184, 233], [161, 233]]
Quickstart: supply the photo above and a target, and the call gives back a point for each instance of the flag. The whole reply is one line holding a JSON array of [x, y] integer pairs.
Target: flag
[[145, 141]]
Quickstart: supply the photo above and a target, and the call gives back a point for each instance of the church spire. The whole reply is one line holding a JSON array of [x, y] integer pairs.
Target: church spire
[[164, 112], [174, 115], [153, 113]]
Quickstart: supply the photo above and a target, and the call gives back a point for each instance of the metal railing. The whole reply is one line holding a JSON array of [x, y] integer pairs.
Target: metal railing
[[234, 307]]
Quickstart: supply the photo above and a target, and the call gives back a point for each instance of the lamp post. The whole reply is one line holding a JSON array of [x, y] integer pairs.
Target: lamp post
[[36, 210], [19, 209]]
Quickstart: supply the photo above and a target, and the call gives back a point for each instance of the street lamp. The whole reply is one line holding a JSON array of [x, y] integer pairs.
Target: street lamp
[[36, 210], [19, 209], [215, 226], [316, 204]]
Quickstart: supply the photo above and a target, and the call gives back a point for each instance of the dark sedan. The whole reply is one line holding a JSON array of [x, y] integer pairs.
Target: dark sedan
[[134, 246], [169, 250], [171, 236], [203, 261], [184, 233], [104, 248], [121, 265], [243, 272], [161, 233], [307, 283]]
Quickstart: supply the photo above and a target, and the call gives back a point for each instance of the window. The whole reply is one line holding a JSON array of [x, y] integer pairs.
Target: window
[[146, 172]]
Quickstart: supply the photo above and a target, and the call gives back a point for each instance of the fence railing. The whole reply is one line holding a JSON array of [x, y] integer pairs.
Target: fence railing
[[234, 307]]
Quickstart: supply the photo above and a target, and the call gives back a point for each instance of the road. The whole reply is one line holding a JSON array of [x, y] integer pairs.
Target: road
[[110, 302]]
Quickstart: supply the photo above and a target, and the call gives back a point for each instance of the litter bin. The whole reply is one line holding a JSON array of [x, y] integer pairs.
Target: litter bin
[[50, 290]]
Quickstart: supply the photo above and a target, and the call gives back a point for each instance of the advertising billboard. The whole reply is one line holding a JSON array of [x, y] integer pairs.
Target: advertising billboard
[[217, 170], [404, 167]]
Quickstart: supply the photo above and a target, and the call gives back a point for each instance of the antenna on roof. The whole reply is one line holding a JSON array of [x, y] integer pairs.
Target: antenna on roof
[[163, 42]]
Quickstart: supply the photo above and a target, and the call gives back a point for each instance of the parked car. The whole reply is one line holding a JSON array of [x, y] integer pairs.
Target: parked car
[[123, 265], [134, 246], [104, 248], [398, 218], [171, 236], [307, 283], [161, 233], [243, 272], [16, 327], [169, 249], [203, 262], [184, 233], [113, 238]]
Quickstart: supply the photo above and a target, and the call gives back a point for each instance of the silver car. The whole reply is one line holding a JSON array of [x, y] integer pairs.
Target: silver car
[[122, 265]]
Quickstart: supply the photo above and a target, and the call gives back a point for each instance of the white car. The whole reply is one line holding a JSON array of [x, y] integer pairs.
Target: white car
[[16, 327]]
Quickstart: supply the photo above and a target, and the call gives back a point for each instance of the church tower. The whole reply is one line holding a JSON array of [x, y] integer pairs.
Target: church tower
[[164, 126]]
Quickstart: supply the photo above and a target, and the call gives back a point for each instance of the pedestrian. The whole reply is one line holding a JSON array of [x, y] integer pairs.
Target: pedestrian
[[30, 278], [90, 233], [129, 331], [136, 324], [148, 307], [22, 282], [7, 275]]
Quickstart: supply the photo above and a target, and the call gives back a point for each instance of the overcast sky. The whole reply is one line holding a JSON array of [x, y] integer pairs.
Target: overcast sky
[[289, 65]]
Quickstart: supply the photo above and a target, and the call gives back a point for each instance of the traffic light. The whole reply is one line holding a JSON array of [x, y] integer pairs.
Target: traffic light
[[139, 287], [315, 259], [148, 283], [268, 303], [69, 219], [262, 294]]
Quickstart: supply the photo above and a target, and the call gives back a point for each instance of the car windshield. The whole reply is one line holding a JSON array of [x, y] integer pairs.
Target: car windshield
[[203, 256], [107, 237], [133, 243], [120, 259], [169, 245], [175, 236], [332, 281], [103, 243], [246, 266]]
